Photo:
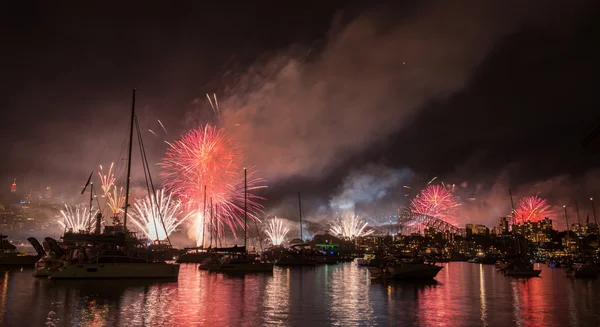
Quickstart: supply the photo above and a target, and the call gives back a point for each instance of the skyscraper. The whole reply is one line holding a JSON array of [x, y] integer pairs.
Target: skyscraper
[[13, 187]]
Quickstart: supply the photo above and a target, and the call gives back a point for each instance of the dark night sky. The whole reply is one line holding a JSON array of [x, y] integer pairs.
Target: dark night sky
[[525, 102]]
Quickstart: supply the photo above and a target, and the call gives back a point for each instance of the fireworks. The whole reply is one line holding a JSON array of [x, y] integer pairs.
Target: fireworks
[[436, 201], [531, 208], [208, 157], [148, 212], [350, 226], [115, 199], [78, 218], [276, 231]]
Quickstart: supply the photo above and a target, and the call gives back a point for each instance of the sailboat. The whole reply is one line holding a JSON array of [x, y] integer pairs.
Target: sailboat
[[243, 262], [297, 254], [111, 255], [520, 265], [581, 269]]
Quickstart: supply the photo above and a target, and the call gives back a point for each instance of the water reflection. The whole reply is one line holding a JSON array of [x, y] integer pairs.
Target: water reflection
[[342, 295]]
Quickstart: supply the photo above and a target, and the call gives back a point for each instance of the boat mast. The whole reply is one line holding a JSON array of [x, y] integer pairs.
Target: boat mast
[[245, 211], [91, 203], [129, 161], [300, 209], [204, 218], [568, 237], [512, 204], [211, 221]]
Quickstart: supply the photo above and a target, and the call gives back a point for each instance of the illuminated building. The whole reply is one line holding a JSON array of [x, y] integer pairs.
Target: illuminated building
[[503, 225], [48, 192], [481, 230], [469, 229], [13, 187]]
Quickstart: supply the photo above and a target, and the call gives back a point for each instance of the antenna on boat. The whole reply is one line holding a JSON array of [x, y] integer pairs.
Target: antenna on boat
[[129, 161], [245, 211], [300, 209]]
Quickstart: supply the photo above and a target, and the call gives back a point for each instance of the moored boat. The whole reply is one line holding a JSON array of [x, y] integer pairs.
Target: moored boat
[[9, 255], [243, 263], [579, 270], [400, 269], [114, 264]]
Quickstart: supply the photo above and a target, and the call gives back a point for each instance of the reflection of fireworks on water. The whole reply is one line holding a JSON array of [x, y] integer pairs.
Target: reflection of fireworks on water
[[78, 218], [350, 226], [115, 199], [531, 208], [149, 211], [276, 231], [208, 156], [436, 201]]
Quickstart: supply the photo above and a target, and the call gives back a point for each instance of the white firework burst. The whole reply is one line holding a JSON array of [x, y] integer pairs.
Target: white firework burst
[[350, 226], [148, 212], [276, 231]]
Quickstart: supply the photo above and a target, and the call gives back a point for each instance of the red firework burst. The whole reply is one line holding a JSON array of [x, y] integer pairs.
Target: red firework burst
[[531, 208], [436, 201], [208, 157]]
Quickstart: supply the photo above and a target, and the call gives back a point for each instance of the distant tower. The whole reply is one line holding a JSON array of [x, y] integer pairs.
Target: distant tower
[[48, 192], [13, 187]]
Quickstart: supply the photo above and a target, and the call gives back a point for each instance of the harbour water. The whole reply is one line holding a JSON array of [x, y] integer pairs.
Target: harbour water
[[464, 294]]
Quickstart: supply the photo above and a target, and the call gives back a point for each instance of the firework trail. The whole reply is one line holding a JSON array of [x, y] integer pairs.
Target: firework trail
[[148, 212], [208, 156], [276, 231], [531, 208], [78, 218], [436, 201], [350, 226], [115, 197]]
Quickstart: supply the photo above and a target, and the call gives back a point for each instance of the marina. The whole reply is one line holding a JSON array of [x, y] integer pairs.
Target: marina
[[462, 294]]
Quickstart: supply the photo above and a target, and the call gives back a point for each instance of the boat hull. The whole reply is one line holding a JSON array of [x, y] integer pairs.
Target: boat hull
[[522, 273], [18, 260], [296, 262], [117, 271], [194, 257], [407, 272], [584, 272], [326, 259], [244, 267]]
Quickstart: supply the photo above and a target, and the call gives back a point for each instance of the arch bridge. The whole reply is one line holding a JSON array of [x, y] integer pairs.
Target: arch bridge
[[411, 223]]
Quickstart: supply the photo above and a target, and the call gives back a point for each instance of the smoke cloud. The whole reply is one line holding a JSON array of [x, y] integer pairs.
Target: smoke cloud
[[368, 186], [494, 202], [304, 114]]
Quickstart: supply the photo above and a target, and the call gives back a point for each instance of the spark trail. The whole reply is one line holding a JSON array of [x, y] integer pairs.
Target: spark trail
[[208, 156], [350, 226], [532, 209], [275, 231], [78, 218], [436, 201], [148, 212], [115, 197]]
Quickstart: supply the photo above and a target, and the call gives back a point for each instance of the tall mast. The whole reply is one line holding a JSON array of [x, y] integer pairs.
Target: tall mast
[[300, 209], [512, 205], [211, 221], [245, 210], [567, 219], [129, 161], [91, 203], [204, 217], [594, 211], [578, 219]]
